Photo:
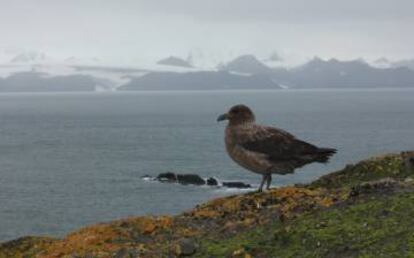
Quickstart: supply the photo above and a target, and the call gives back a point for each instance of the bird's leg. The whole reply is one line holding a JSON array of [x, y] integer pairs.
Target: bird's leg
[[264, 178], [269, 181]]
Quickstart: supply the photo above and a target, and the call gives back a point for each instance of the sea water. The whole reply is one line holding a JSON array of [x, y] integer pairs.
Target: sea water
[[68, 160]]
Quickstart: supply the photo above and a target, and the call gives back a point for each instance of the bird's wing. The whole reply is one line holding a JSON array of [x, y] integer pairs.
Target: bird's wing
[[277, 144]]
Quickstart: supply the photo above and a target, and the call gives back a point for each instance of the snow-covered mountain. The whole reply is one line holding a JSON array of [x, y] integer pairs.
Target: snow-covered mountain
[[22, 70], [382, 62], [44, 70], [246, 64], [209, 60], [334, 73], [174, 61]]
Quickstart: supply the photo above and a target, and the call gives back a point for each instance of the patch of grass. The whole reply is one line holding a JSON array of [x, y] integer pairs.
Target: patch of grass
[[377, 226]]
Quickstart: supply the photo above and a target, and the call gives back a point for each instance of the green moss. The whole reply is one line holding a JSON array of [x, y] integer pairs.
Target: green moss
[[372, 227], [368, 170]]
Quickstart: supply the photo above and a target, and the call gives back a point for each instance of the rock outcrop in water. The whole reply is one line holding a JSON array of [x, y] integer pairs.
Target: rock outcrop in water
[[194, 179], [364, 210], [184, 179]]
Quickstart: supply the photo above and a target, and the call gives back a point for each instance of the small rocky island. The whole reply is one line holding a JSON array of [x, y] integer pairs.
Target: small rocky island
[[194, 179], [363, 210]]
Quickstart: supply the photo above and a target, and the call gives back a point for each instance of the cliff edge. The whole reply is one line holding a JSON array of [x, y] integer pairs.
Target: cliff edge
[[363, 210]]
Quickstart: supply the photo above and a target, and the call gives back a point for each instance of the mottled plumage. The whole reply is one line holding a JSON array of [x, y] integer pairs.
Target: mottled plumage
[[267, 150]]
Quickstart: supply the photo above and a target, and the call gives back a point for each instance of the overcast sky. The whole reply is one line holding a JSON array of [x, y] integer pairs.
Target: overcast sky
[[134, 29]]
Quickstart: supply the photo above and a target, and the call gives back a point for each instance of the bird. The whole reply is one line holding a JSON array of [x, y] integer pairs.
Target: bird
[[266, 150]]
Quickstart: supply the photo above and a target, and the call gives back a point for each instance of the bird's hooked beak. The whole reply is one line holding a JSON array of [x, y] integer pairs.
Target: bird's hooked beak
[[223, 117]]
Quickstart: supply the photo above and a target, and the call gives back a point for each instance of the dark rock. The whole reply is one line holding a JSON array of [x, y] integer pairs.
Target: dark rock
[[378, 186], [122, 253], [88, 255], [126, 253], [349, 166], [192, 179], [186, 247], [167, 177], [408, 159], [236, 185], [212, 181]]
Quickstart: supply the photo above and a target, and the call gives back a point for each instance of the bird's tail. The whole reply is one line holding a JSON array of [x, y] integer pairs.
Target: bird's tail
[[323, 154]]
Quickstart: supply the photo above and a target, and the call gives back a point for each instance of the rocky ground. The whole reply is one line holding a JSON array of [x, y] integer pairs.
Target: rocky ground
[[363, 210]]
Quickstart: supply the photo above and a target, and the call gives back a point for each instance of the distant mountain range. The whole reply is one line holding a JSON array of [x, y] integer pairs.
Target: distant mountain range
[[37, 82], [343, 74], [332, 73], [247, 64], [385, 63], [206, 80], [35, 71]]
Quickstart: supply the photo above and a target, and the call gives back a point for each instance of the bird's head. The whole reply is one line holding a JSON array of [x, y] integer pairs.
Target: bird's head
[[238, 114]]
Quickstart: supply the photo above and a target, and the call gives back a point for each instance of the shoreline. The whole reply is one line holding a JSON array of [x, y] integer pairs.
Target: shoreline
[[245, 222]]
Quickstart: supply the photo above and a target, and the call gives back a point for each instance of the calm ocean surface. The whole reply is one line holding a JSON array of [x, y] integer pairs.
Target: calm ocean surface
[[68, 160]]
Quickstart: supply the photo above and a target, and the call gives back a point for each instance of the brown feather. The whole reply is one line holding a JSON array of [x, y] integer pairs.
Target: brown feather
[[282, 151]]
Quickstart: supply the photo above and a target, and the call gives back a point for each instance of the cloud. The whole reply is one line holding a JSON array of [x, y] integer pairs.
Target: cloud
[[154, 28], [286, 11]]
